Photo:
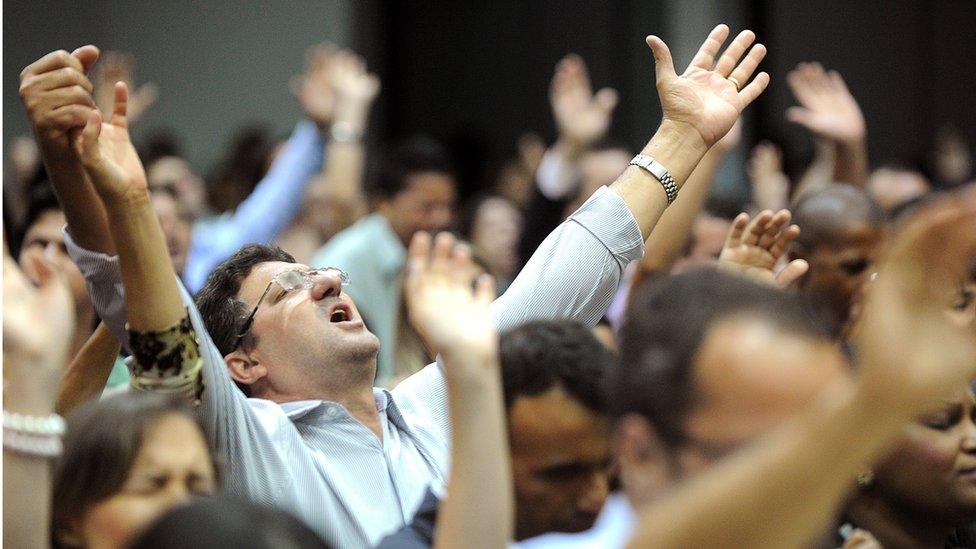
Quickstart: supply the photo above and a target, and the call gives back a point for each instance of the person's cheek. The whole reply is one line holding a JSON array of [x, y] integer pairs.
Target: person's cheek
[[117, 521]]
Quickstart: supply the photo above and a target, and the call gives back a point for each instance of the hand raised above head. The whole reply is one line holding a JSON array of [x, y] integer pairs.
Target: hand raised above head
[[119, 67], [354, 88], [313, 88], [827, 107], [57, 95], [582, 117], [447, 300], [709, 95], [770, 186], [754, 247], [107, 153], [38, 323]]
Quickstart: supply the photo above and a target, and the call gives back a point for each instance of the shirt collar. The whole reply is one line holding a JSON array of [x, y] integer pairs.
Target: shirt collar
[[298, 409]]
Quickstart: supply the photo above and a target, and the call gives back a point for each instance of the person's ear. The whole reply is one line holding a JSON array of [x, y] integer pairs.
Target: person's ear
[[645, 467], [245, 368]]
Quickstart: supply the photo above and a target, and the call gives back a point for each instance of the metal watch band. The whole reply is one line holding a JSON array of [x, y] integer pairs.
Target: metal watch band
[[661, 173]]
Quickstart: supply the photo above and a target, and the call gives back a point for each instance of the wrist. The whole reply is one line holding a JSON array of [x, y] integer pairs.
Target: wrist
[[126, 204], [571, 149], [678, 147], [853, 143]]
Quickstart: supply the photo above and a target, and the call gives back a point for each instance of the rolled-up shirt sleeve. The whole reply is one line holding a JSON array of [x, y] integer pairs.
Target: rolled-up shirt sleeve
[[574, 274]]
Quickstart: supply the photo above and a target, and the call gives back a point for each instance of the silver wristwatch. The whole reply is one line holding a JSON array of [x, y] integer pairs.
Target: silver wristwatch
[[658, 171]]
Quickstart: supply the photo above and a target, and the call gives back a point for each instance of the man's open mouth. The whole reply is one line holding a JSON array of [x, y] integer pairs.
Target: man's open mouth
[[340, 313]]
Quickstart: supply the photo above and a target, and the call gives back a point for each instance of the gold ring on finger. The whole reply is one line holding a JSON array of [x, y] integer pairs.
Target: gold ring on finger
[[738, 86]]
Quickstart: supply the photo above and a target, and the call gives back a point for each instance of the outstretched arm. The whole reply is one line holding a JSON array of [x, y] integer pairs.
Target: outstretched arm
[[57, 95], [152, 297], [457, 321], [910, 354], [671, 233], [38, 322], [770, 186], [829, 110], [575, 271]]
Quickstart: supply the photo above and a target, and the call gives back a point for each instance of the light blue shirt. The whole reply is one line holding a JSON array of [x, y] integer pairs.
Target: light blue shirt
[[312, 458], [372, 254], [264, 214]]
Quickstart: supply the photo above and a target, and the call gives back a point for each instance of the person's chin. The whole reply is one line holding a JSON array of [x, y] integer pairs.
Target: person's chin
[[580, 522]]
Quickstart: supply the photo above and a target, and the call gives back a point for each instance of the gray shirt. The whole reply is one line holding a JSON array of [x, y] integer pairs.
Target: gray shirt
[[313, 458]]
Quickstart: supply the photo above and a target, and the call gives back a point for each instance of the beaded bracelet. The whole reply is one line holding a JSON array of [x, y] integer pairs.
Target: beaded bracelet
[[32, 435]]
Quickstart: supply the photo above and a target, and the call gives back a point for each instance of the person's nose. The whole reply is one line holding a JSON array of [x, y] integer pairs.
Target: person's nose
[[596, 492], [326, 284]]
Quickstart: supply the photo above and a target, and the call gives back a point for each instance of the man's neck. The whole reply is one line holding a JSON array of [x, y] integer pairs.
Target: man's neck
[[357, 398], [894, 528]]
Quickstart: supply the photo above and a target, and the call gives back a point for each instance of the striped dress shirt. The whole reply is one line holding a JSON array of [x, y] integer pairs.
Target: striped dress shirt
[[313, 458]]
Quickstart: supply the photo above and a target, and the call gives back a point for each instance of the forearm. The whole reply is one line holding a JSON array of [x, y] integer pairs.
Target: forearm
[[27, 494], [575, 271], [89, 370], [27, 478], [820, 172], [345, 167], [671, 233], [852, 163], [751, 499], [479, 504], [83, 209], [152, 297], [679, 149]]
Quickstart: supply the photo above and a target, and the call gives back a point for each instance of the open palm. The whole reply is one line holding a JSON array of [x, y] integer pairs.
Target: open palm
[[754, 247], [706, 96], [450, 317], [107, 152]]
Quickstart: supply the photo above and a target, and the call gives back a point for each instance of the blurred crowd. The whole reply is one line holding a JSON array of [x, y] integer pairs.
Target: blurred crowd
[[310, 347]]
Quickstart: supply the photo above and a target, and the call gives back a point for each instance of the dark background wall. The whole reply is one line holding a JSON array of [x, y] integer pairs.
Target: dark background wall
[[477, 77], [219, 64]]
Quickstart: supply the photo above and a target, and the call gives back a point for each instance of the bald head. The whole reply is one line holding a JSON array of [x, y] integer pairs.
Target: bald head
[[829, 216]]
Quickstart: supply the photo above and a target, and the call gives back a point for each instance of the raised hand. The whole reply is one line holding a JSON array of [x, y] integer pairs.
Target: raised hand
[[770, 186], [107, 154], [119, 67], [57, 95], [826, 108], [910, 352], [710, 94], [754, 248], [453, 319], [38, 325], [582, 117], [353, 87], [313, 89]]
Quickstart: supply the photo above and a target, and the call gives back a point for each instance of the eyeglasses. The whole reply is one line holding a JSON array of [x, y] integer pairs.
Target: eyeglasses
[[290, 281]]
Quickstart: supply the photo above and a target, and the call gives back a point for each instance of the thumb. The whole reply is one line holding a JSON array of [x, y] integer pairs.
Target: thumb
[[86, 142], [120, 105], [799, 115], [88, 55], [792, 272], [146, 95], [663, 64], [606, 99]]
